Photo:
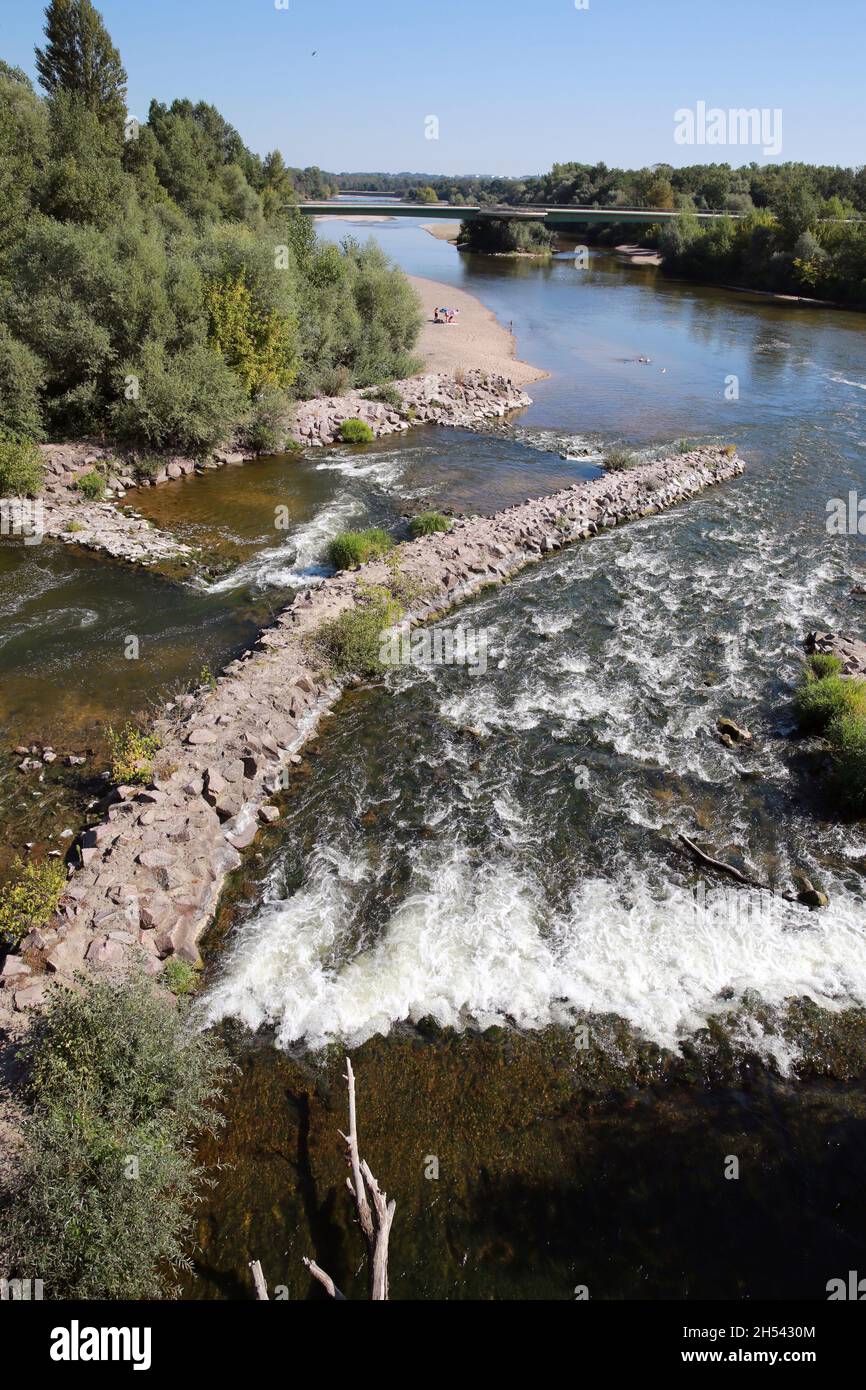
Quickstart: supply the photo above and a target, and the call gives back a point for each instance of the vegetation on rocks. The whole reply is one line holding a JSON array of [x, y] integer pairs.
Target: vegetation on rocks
[[834, 705], [351, 644], [180, 977], [21, 471], [155, 282], [426, 523], [617, 460], [132, 754], [119, 1085], [91, 486], [356, 432], [30, 899], [350, 549]]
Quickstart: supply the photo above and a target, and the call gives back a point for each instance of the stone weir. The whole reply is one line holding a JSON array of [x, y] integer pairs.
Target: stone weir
[[151, 873]]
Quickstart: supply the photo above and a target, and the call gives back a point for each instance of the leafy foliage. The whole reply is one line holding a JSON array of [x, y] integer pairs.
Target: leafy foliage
[[356, 432], [132, 754], [163, 288], [120, 1085], [21, 469], [91, 486], [351, 644], [30, 899]]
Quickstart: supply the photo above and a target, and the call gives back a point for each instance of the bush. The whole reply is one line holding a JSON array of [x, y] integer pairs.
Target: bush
[[180, 977], [385, 395], [265, 430], [31, 899], [132, 754], [429, 522], [22, 375], [353, 548], [21, 467], [356, 432], [91, 486], [351, 644], [189, 400], [120, 1085], [616, 460], [831, 704], [821, 694]]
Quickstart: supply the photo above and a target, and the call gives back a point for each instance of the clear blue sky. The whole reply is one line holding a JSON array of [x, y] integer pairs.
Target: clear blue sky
[[515, 84]]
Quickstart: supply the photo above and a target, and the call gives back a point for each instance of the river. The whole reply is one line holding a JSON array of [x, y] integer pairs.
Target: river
[[477, 882]]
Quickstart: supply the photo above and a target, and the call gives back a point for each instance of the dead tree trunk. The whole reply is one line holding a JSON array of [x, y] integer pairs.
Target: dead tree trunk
[[375, 1222]]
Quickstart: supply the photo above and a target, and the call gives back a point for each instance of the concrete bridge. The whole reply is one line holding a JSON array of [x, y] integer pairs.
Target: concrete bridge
[[552, 216]]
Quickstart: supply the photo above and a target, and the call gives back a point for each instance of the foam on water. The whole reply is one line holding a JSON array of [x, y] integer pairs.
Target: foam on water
[[298, 561], [475, 945]]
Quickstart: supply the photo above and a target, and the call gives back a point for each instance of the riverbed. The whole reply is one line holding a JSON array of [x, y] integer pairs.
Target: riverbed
[[475, 868]]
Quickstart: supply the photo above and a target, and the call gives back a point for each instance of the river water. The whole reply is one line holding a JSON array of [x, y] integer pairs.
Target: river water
[[477, 883]]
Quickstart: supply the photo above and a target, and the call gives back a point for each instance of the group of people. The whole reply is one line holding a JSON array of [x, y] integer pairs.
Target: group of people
[[443, 315]]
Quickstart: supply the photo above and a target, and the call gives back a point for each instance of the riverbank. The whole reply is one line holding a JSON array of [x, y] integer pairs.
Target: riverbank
[[153, 869], [475, 341]]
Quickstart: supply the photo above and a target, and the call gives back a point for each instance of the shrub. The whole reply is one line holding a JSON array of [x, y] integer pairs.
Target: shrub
[[180, 977], [132, 754], [31, 899], [846, 733], [356, 432], [75, 526], [265, 430], [147, 466], [429, 522], [385, 395], [350, 549], [351, 644], [188, 400], [91, 486], [21, 468], [22, 376], [822, 693], [615, 460], [120, 1085], [831, 704], [256, 342]]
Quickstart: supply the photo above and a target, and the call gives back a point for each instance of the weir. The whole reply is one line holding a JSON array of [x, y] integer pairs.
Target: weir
[[153, 869]]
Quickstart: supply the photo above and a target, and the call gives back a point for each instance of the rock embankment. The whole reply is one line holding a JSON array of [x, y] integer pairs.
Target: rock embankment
[[153, 870], [434, 399], [850, 651], [67, 515]]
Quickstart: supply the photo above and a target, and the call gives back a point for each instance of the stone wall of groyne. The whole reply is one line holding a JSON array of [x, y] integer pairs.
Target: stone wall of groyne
[[67, 515], [152, 871]]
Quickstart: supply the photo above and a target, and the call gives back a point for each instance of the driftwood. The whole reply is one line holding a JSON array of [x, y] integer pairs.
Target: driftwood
[[259, 1279], [721, 867], [375, 1222]]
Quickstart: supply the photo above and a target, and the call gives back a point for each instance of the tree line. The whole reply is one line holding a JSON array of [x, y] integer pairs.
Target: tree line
[[156, 285]]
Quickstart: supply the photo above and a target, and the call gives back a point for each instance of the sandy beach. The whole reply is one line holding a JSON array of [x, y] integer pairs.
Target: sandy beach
[[443, 231], [475, 340]]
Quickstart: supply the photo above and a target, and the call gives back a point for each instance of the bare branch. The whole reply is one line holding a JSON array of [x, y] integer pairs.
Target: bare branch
[[259, 1280], [325, 1280]]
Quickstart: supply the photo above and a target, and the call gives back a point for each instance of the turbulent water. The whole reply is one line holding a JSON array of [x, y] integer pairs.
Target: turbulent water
[[502, 846]]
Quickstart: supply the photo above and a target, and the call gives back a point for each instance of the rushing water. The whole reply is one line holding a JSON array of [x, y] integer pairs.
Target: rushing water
[[468, 849]]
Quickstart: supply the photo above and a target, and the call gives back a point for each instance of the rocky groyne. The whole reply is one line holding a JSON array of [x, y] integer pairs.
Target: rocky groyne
[[66, 514], [152, 870]]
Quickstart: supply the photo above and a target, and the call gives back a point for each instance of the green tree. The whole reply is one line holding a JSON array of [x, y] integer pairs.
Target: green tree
[[79, 58]]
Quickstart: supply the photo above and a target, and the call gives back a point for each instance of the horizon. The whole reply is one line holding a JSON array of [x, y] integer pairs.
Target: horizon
[[457, 108]]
